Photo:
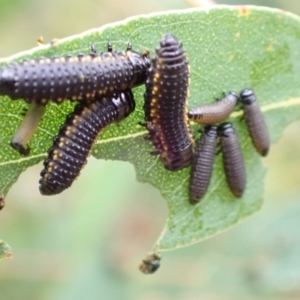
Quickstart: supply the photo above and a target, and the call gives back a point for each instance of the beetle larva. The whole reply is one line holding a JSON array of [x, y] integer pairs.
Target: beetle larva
[[233, 161], [151, 263], [255, 122], [76, 137], [27, 128], [214, 112], [202, 164], [166, 102], [74, 77]]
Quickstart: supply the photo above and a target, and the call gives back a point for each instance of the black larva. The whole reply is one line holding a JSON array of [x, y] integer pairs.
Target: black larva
[[166, 102], [255, 122], [76, 137], [150, 264], [74, 77], [214, 112], [202, 164], [233, 161]]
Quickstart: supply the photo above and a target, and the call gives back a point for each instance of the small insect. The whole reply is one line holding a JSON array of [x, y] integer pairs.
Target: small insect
[[166, 105], [233, 161], [255, 122], [2, 201], [76, 137], [214, 112], [40, 41], [27, 128], [74, 77], [150, 264], [202, 164]]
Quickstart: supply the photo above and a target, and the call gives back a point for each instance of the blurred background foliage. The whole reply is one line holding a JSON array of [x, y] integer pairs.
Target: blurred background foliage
[[88, 242]]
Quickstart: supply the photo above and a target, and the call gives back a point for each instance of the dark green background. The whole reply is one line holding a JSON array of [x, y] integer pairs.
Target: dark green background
[[87, 242]]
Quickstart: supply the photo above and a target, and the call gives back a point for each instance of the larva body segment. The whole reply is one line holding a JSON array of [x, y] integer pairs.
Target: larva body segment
[[74, 77], [255, 122], [202, 164], [213, 113], [76, 137], [166, 104], [233, 161]]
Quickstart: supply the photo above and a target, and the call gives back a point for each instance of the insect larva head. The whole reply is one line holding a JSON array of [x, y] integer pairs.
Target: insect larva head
[[7, 81], [226, 129], [210, 130], [247, 96], [124, 102], [233, 97]]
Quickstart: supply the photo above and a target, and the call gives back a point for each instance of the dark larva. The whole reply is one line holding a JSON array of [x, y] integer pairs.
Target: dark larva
[[166, 102], [27, 128], [202, 164], [255, 122], [74, 77], [233, 161], [76, 137], [214, 112], [150, 264]]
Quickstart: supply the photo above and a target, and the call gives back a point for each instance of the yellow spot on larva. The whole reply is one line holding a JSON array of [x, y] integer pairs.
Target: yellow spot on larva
[[60, 145], [55, 157], [244, 11], [50, 170], [57, 60], [40, 41]]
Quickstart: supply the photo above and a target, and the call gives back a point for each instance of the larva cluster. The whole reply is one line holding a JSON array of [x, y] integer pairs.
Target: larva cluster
[[102, 84], [234, 166]]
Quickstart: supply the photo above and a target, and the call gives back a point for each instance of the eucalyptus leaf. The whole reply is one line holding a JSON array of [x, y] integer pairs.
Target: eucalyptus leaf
[[229, 48]]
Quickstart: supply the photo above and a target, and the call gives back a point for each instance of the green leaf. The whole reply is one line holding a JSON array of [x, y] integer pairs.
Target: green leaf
[[229, 48], [5, 250]]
